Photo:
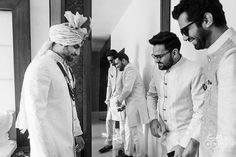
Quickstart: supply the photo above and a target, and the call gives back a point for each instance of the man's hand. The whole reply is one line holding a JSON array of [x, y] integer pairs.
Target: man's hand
[[79, 143], [108, 103], [121, 108], [191, 149], [155, 128], [178, 150], [163, 129]]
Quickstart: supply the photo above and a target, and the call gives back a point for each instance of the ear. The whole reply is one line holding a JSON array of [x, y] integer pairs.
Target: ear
[[207, 20], [123, 60], [175, 52]]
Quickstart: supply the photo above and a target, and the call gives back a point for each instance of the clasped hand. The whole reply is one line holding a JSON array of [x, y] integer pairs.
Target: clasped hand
[[79, 143], [158, 128]]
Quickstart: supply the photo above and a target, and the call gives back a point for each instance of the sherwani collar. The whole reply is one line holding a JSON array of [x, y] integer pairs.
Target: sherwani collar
[[173, 67], [220, 41], [56, 57]]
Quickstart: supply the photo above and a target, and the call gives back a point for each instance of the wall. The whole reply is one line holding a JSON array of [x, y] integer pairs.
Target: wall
[[139, 23], [39, 23], [187, 48]]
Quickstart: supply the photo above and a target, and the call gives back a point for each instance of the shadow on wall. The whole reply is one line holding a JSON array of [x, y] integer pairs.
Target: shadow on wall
[[148, 69]]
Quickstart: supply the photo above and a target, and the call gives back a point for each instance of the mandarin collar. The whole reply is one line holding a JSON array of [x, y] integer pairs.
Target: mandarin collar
[[182, 59], [56, 57], [220, 41]]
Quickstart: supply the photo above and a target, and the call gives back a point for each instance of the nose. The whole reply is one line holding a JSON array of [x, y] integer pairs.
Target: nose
[[77, 52], [157, 59]]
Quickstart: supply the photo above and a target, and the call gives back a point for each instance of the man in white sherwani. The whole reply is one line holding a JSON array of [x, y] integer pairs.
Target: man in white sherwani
[[204, 24], [175, 97], [47, 106], [114, 87], [133, 94]]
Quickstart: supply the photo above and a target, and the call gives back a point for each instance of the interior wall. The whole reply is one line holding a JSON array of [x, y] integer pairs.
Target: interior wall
[[139, 23], [187, 48], [39, 24]]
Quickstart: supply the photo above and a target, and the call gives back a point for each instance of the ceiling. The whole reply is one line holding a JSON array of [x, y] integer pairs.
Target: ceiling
[[105, 15]]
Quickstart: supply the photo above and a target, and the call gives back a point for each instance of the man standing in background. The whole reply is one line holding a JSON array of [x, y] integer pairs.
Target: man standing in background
[[203, 23], [114, 87], [133, 94], [175, 97]]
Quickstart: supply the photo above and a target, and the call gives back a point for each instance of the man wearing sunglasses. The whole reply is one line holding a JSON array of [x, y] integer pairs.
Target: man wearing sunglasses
[[175, 97], [203, 23], [47, 107]]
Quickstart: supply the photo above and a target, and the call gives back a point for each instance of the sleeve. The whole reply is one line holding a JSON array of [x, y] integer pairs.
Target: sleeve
[[226, 120], [109, 89], [129, 75], [197, 93], [36, 89], [77, 127], [152, 100]]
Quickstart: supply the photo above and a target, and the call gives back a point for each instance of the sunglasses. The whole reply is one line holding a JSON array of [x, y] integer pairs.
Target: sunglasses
[[185, 29], [159, 56]]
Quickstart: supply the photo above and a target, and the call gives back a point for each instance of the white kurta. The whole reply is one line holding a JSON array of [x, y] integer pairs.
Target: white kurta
[[219, 129], [180, 100], [46, 109], [114, 88], [133, 94]]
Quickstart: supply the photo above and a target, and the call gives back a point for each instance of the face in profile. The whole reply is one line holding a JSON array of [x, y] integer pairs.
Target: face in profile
[[111, 60], [71, 52], [162, 57], [119, 65], [192, 32]]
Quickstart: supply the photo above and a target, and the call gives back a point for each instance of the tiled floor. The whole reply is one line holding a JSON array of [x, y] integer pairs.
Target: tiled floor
[[98, 127]]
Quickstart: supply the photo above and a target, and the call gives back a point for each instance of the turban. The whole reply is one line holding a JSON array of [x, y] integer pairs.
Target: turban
[[69, 33]]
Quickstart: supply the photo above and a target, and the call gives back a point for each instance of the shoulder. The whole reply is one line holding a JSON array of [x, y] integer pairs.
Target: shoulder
[[192, 65], [130, 67], [192, 69], [40, 66]]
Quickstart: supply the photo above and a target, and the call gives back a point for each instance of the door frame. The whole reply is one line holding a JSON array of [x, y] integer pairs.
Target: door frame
[[21, 50]]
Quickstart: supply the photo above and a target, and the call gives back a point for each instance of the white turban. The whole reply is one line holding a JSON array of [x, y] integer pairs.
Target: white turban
[[65, 35], [69, 33]]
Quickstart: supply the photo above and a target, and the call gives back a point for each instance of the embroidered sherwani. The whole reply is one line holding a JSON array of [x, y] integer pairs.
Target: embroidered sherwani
[[176, 96], [219, 128], [47, 110]]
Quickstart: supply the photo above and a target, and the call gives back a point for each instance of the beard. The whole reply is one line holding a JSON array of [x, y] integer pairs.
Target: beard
[[201, 39], [70, 58], [167, 65], [122, 67]]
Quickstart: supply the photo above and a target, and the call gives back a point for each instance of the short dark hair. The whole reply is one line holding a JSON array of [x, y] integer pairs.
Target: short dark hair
[[169, 39], [121, 56], [111, 53], [196, 9]]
